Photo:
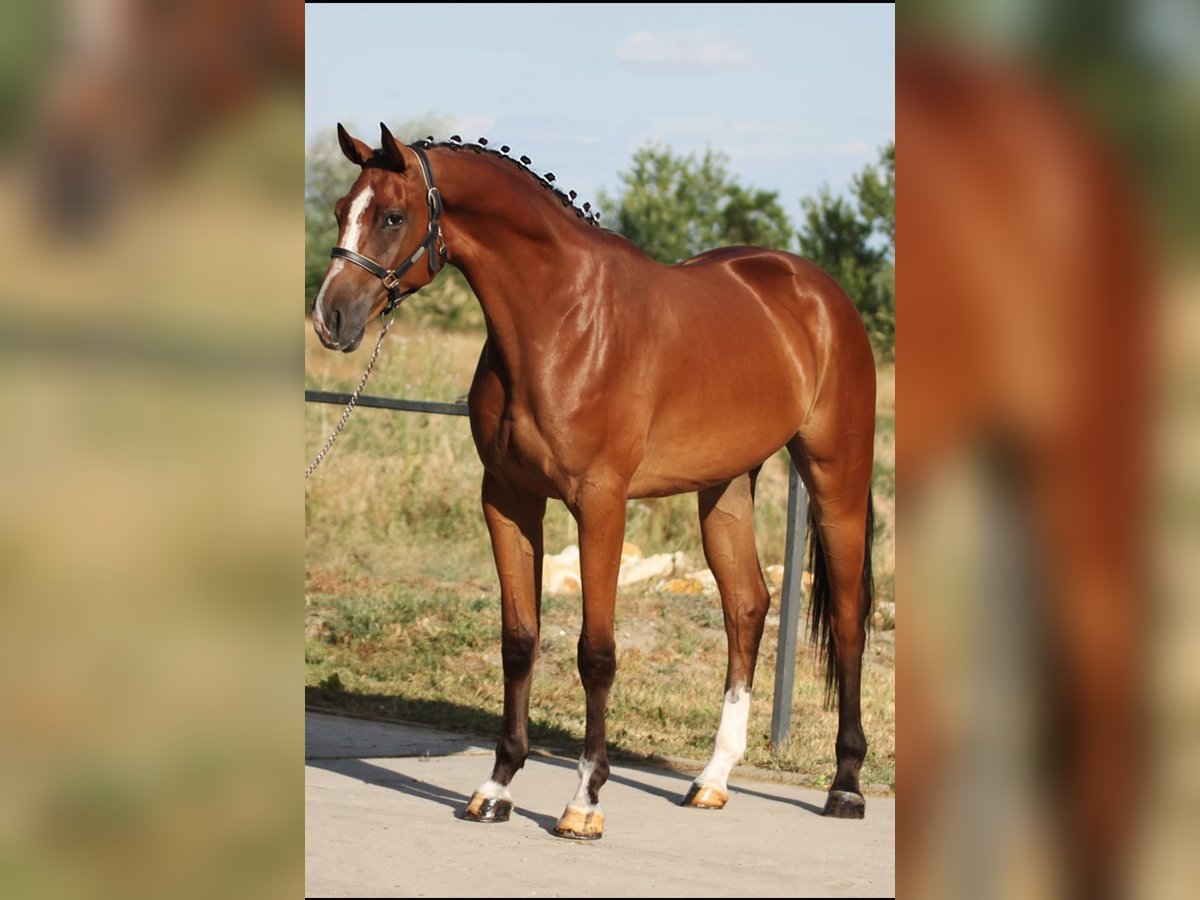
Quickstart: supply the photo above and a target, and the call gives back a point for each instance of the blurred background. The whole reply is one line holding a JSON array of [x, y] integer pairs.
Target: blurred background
[[151, 527], [1049, 339], [150, 520]]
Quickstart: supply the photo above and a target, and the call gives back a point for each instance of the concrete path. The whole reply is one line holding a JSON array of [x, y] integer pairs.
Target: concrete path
[[381, 821]]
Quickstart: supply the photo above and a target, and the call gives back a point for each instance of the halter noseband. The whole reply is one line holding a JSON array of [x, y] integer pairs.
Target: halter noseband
[[434, 245]]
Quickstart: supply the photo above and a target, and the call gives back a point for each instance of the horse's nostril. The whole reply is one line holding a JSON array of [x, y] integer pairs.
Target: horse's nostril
[[334, 324]]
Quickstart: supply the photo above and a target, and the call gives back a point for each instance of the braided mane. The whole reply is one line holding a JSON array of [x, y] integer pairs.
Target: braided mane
[[567, 198]]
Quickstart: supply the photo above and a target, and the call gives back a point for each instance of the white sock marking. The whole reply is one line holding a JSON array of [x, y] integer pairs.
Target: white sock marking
[[581, 800], [731, 740], [494, 791]]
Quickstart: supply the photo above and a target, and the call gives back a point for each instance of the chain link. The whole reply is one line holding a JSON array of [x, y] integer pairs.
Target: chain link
[[337, 429]]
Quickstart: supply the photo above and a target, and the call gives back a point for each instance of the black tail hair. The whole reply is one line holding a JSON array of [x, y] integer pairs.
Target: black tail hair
[[820, 610]]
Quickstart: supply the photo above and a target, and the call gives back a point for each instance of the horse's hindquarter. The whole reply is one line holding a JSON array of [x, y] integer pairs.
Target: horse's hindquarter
[[741, 338]]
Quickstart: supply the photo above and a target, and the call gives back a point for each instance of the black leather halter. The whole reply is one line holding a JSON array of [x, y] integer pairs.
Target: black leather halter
[[434, 245]]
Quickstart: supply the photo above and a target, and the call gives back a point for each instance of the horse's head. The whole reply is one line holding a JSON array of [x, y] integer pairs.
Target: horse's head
[[387, 222]]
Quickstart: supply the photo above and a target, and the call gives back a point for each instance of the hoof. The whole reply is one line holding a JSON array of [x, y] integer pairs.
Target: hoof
[[580, 825], [487, 809], [845, 805], [701, 797]]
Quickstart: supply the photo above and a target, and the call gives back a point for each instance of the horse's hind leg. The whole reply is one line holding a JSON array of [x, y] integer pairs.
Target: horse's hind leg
[[514, 520], [842, 592], [727, 529]]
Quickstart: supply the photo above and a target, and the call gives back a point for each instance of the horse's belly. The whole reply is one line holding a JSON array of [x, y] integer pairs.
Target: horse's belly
[[704, 429], [703, 456]]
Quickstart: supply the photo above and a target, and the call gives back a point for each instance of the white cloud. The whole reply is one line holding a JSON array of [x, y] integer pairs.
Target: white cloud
[[681, 50]]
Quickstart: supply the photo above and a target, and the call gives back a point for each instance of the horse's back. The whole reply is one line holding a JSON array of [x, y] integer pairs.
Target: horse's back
[[786, 308], [790, 288]]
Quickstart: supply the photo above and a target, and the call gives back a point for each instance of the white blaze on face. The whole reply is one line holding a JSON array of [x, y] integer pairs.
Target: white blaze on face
[[351, 235], [731, 739], [355, 224]]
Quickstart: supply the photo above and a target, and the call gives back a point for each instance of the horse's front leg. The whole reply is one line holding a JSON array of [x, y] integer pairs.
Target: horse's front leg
[[514, 521], [599, 508]]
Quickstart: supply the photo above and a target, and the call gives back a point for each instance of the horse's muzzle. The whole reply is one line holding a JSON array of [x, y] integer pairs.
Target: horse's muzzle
[[336, 333]]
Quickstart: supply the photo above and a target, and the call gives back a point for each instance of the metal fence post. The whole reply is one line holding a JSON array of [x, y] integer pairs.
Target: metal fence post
[[789, 609]]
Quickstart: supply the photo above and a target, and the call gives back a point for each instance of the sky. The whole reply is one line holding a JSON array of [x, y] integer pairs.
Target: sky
[[796, 95]]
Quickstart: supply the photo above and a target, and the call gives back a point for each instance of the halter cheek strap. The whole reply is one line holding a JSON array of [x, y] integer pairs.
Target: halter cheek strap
[[433, 245]]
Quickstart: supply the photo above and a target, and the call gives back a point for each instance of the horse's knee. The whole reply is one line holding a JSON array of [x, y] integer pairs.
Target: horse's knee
[[597, 662], [518, 649]]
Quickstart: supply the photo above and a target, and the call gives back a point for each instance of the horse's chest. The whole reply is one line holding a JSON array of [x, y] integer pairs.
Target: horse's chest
[[509, 441], [514, 447]]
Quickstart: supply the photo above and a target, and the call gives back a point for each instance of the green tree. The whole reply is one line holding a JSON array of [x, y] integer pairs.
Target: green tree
[[448, 302], [854, 240], [674, 207], [875, 188]]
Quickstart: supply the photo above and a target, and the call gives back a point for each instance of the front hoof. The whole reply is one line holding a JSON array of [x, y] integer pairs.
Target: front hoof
[[845, 805], [487, 809], [702, 797], [580, 824]]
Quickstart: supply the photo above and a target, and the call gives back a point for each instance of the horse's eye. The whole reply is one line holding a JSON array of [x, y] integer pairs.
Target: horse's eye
[[393, 219]]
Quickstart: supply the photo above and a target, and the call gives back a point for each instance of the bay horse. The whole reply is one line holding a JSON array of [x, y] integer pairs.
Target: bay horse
[[608, 376]]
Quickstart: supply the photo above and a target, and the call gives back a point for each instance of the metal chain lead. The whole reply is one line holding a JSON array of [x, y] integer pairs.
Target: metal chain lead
[[337, 429]]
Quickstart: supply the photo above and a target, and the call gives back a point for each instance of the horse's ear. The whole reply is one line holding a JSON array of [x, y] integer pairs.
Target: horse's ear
[[356, 151], [391, 147]]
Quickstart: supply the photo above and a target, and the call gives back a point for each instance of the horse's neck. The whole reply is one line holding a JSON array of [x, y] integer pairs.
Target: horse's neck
[[512, 249]]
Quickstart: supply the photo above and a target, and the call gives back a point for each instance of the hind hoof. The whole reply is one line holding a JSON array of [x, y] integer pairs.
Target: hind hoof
[[845, 805], [701, 797], [580, 825], [487, 809]]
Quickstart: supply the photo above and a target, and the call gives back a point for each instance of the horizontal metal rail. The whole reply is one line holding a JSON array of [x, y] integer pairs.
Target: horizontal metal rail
[[425, 406]]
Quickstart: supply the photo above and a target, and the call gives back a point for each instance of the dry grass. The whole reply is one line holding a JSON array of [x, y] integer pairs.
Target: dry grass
[[402, 602]]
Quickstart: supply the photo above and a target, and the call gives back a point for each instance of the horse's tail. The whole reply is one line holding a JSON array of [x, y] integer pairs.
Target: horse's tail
[[820, 613]]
